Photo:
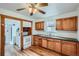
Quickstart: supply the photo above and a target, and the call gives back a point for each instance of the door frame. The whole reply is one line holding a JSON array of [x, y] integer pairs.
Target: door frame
[[2, 40]]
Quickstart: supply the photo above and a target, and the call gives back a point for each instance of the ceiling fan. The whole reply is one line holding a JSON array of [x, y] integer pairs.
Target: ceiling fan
[[33, 7]]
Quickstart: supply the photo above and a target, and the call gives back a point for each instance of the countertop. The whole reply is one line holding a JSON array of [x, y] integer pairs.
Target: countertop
[[60, 38]]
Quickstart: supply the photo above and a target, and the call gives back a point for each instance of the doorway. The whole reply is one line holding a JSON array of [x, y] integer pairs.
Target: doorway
[[12, 36], [3, 40]]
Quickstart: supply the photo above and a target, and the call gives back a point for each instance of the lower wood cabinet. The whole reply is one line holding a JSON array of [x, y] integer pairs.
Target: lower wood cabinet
[[50, 44], [37, 41], [34, 40], [57, 45], [61, 46], [69, 48], [78, 49], [40, 41], [44, 42]]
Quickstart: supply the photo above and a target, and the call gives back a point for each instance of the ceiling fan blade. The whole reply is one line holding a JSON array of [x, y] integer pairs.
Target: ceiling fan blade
[[20, 9], [31, 14], [42, 4], [41, 11]]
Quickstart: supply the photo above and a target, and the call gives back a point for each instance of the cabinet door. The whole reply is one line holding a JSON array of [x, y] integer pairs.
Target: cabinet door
[[39, 25], [42, 25], [69, 48], [36, 41], [50, 44], [57, 46], [78, 49], [33, 40], [44, 42], [70, 24], [40, 41], [59, 24], [36, 26]]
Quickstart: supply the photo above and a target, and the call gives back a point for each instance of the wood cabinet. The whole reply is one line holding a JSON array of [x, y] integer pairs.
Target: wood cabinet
[[37, 41], [39, 25], [61, 46], [40, 41], [69, 48], [70, 24], [42, 25], [50, 44], [59, 24], [67, 24], [54, 44], [44, 42], [78, 49], [57, 45]]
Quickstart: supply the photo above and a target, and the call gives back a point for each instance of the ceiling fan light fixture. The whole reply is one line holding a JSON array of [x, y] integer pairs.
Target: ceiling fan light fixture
[[34, 11], [30, 10]]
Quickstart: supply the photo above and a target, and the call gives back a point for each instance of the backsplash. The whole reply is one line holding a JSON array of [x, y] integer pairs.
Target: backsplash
[[59, 33]]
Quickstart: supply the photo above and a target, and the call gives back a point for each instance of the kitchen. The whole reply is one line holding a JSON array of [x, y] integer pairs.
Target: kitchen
[[56, 31], [61, 36], [60, 44]]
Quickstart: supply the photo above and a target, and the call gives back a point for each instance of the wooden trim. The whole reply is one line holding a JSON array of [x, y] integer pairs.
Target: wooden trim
[[15, 18], [2, 40], [21, 35]]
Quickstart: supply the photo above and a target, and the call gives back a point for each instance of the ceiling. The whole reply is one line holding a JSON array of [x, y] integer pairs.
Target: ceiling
[[51, 10]]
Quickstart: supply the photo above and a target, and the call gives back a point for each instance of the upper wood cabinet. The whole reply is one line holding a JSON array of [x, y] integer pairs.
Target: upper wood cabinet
[[39, 25], [69, 48], [59, 24], [68, 24]]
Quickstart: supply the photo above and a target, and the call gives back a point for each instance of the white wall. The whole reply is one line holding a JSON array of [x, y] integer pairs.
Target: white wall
[[78, 24], [26, 24], [14, 14], [71, 34], [0, 27]]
